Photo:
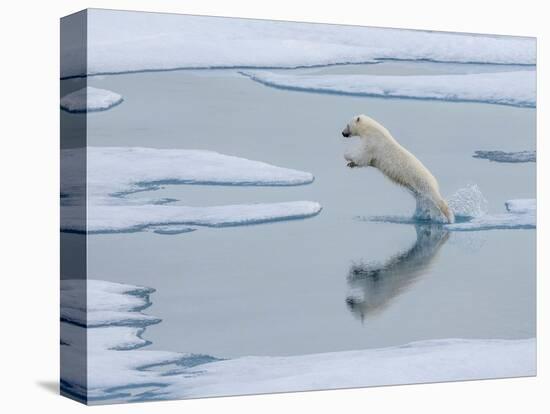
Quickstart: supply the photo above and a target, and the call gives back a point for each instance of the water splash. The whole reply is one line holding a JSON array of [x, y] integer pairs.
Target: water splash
[[468, 202], [471, 213]]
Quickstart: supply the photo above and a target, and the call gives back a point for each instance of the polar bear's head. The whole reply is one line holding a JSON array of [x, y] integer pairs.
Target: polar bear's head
[[363, 126]]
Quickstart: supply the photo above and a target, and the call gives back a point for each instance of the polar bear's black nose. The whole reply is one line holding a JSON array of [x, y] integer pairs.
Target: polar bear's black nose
[[345, 134]]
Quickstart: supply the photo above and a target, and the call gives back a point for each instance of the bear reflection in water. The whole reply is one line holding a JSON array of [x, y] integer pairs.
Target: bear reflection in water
[[374, 286]]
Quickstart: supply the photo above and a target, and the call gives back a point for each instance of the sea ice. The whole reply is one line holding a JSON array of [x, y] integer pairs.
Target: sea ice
[[501, 156], [514, 218], [115, 172], [120, 41], [106, 303], [522, 206], [119, 371], [416, 362], [522, 214], [90, 99], [131, 218], [469, 207], [506, 88]]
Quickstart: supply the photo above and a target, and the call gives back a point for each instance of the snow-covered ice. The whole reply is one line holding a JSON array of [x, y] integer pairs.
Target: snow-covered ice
[[118, 370], [417, 362], [507, 88], [104, 336], [522, 206], [106, 303], [120, 41], [502, 156], [115, 172], [130, 218], [521, 214], [90, 99]]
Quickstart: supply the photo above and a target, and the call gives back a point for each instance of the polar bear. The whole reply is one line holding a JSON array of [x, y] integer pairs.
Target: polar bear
[[380, 150]]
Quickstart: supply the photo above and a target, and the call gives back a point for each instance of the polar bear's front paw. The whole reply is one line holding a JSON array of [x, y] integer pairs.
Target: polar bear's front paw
[[352, 164]]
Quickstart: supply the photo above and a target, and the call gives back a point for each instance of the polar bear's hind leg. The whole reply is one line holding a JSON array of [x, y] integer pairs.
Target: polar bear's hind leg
[[447, 212], [432, 209]]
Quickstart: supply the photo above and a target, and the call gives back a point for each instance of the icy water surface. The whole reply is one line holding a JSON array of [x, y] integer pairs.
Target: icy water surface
[[335, 281]]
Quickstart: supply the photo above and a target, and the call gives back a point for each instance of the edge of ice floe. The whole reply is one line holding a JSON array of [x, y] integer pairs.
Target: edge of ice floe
[[521, 214], [100, 303], [507, 157], [118, 171], [120, 370], [214, 42], [381, 86], [161, 218], [115, 172]]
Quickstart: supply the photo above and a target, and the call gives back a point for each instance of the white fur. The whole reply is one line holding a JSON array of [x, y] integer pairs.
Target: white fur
[[380, 150]]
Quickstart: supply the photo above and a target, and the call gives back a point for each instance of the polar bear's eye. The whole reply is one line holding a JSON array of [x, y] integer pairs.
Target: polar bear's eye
[[358, 119]]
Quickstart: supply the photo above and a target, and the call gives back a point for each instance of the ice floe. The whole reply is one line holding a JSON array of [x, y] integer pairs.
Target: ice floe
[[115, 172], [501, 156], [521, 214], [522, 206], [106, 303], [112, 345], [120, 41], [471, 213], [131, 218], [90, 99], [119, 369], [416, 362], [506, 88], [511, 220]]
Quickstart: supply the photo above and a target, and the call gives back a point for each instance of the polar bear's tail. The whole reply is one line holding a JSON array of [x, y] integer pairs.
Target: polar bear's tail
[[447, 212]]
